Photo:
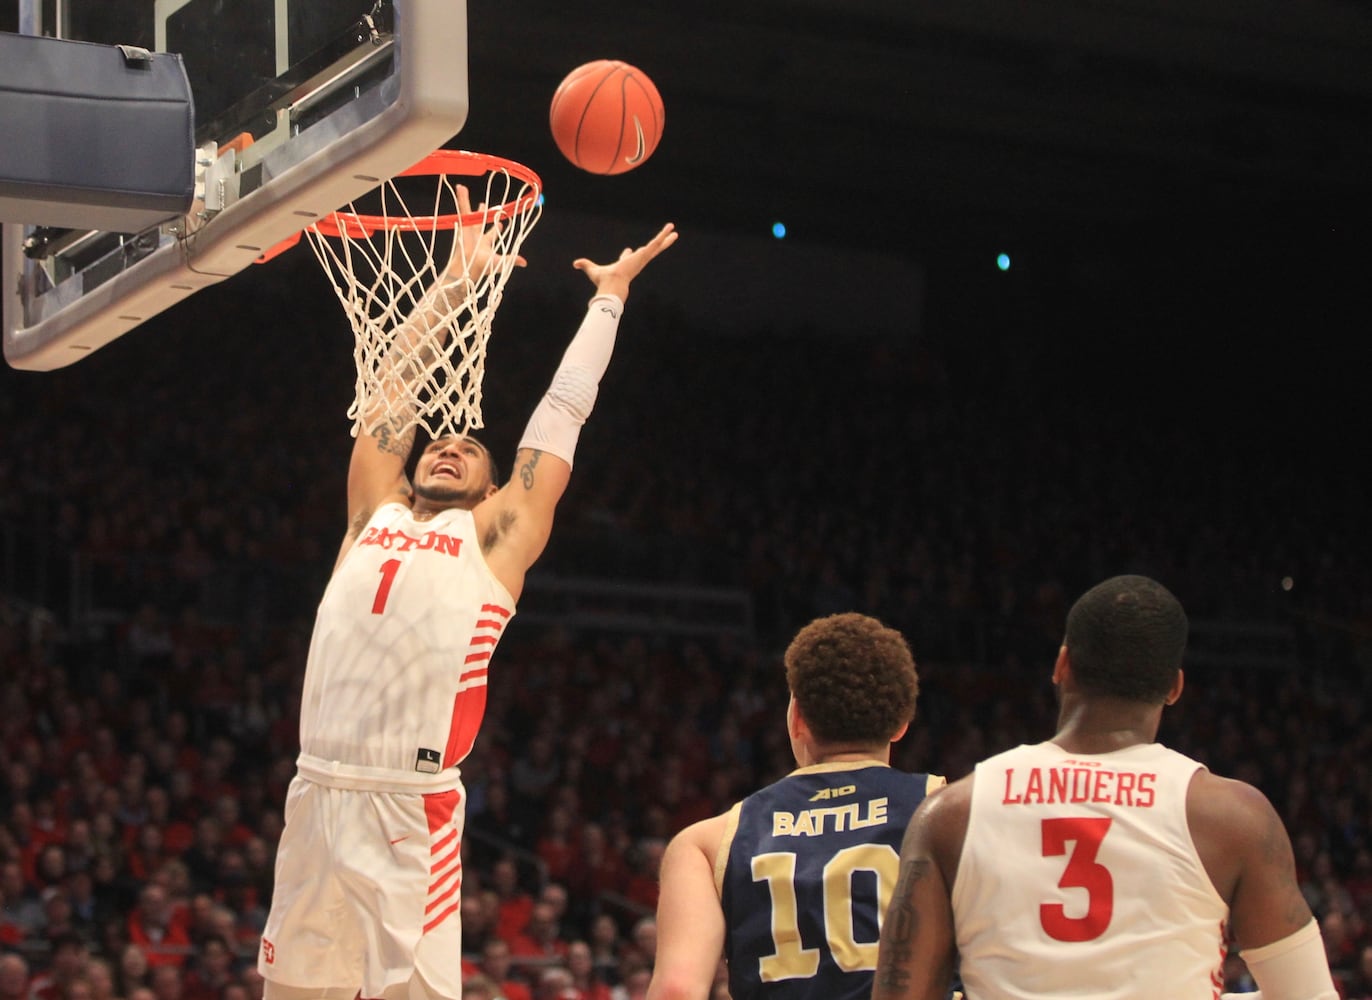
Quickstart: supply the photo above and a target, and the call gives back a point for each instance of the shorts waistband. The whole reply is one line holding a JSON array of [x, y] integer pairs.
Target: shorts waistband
[[336, 774]]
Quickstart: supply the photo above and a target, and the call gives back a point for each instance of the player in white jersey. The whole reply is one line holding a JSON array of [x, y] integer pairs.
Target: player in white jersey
[[369, 872], [1101, 864]]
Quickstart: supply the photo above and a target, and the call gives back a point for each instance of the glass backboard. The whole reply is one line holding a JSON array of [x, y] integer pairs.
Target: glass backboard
[[300, 107]]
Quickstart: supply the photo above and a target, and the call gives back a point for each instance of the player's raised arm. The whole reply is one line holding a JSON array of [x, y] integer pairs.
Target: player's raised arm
[[519, 518], [386, 435]]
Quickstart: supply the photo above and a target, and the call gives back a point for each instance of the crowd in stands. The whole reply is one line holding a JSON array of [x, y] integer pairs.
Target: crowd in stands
[[171, 510]]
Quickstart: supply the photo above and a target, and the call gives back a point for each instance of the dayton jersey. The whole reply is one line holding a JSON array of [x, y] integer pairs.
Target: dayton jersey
[[805, 872], [395, 685], [1079, 877]]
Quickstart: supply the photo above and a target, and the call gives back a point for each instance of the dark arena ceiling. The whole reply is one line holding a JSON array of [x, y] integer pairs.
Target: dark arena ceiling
[[913, 126]]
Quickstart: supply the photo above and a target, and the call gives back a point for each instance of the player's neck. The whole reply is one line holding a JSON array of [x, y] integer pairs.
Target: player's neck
[[846, 755], [1105, 725]]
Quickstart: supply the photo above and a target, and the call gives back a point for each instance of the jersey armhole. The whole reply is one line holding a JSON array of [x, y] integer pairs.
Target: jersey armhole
[[726, 841]]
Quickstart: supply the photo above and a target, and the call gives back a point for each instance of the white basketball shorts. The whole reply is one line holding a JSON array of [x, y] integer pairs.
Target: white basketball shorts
[[368, 889]]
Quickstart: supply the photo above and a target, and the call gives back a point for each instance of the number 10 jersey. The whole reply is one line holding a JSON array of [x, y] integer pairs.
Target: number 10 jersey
[[806, 871]]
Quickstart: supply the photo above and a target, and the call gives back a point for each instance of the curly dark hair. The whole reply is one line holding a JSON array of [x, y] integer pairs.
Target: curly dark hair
[[853, 679], [1125, 639]]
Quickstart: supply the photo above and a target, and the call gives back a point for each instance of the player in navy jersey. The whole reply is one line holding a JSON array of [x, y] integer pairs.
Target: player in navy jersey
[[790, 885]]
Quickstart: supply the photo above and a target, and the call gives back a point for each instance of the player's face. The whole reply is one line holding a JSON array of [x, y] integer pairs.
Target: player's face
[[453, 470]]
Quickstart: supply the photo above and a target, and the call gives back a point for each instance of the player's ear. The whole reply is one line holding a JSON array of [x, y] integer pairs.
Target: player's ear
[[795, 725], [1177, 686], [1062, 668], [900, 733]]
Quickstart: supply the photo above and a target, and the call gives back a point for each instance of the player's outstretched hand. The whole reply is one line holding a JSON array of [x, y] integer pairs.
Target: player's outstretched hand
[[614, 279], [475, 244]]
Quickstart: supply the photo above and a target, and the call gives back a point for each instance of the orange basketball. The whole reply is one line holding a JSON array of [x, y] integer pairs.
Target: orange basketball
[[606, 117]]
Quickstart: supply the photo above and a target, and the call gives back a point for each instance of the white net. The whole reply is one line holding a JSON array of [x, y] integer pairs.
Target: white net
[[421, 287]]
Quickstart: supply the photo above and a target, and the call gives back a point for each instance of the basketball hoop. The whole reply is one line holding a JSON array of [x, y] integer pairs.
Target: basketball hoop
[[419, 298]]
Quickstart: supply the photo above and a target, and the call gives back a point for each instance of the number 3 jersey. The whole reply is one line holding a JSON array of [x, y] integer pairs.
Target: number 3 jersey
[[1078, 877], [395, 683], [805, 872]]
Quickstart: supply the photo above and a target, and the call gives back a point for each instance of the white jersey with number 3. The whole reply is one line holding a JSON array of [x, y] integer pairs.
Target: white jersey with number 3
[[1079, 877], [395, 685]]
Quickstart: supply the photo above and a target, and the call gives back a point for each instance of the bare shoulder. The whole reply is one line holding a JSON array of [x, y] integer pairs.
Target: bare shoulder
[[939, 826], [947, 807], [704, 835], [1228, 807], [1246, 850]]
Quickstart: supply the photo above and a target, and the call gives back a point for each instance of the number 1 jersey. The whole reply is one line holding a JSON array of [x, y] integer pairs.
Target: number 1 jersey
[[395, 683], [1078, 877], [806, 871]]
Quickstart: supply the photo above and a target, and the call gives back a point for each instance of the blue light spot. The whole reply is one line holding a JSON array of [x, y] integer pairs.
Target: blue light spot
[[1003, 261], [540, 199], [779, 230]]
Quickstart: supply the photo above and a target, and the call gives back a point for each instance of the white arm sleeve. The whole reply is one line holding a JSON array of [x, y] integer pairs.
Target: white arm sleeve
[[556, 421], [1294, 968]]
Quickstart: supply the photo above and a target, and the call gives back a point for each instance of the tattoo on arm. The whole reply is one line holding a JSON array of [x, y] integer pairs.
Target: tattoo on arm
[[393, 438], [899, 933], [526, 471]]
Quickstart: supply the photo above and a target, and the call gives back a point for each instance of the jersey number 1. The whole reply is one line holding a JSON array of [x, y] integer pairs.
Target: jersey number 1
[[389, 569], [1083, 871]]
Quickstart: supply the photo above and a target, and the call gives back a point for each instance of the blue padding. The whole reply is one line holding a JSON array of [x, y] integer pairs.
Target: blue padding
[[93, 136]]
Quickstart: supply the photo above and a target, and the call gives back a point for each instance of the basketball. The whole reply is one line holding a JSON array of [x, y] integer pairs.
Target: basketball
[[606, 117]]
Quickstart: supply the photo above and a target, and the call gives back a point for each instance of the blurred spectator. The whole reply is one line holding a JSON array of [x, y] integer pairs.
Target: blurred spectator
[[478, 987], [202, 857], [643, 940], [496, 966], [21, 911], [14, 977], [160, 931], [515, 903], [100, 979], [212, 967], [585, 978], [597, 868], [555, 983], [555, 896], [556, 847], [635, 984], [646, 860], [131, 970], [167, 982], [1358, 985], [605, 947], [66, 964], [540, 940]]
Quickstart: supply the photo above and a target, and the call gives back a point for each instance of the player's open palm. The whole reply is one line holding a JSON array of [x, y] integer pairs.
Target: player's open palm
[[614, 278], [476, 244]]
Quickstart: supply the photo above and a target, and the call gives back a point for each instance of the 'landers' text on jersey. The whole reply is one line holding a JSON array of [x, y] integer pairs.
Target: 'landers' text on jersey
[[1078, 876]]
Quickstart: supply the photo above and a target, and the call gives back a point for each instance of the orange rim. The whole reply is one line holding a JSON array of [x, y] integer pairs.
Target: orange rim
[[452, 162]]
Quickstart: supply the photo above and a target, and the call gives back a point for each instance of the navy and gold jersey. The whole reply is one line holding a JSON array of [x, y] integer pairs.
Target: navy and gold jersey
[[805, 871]]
